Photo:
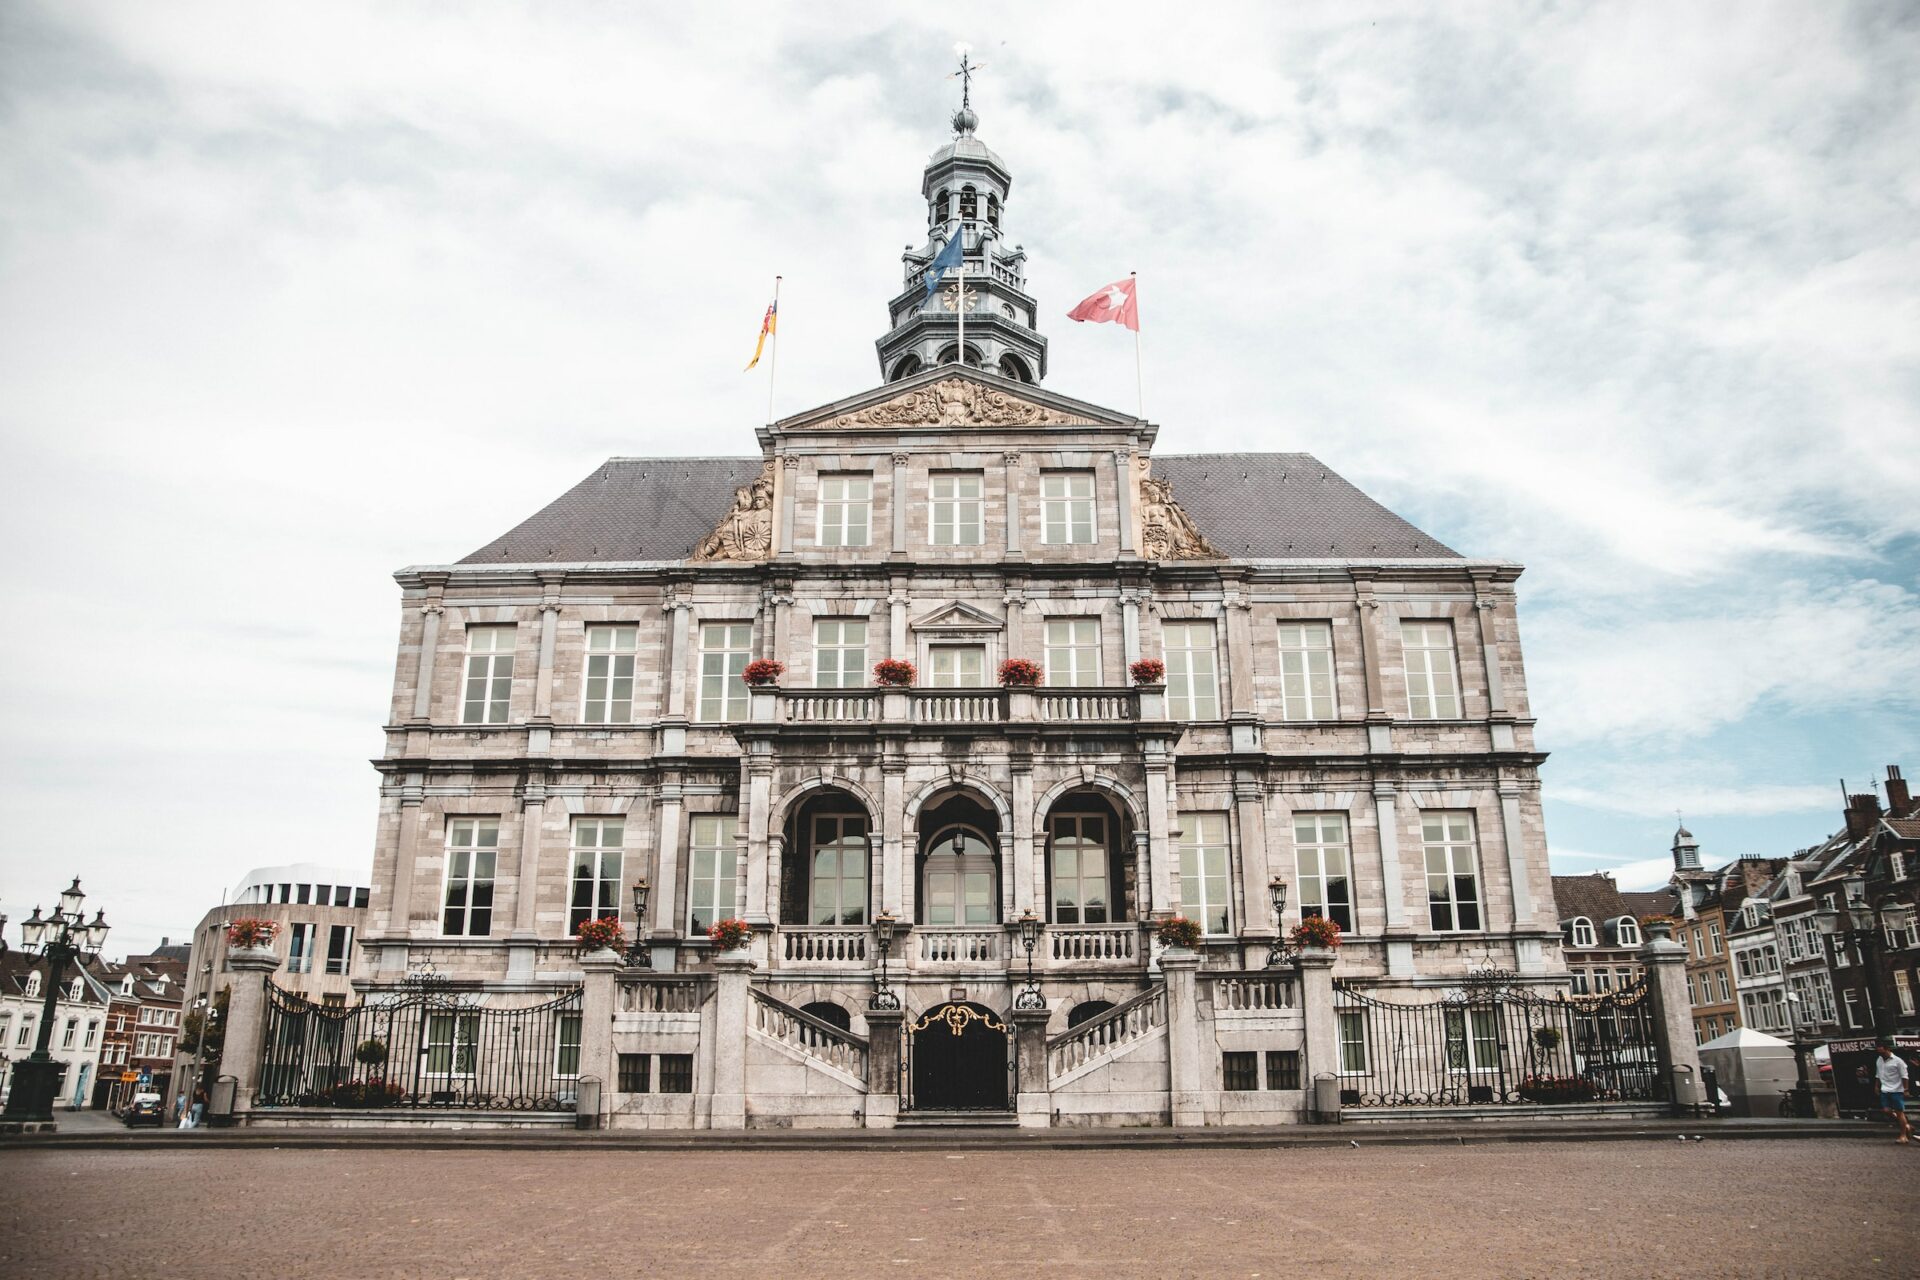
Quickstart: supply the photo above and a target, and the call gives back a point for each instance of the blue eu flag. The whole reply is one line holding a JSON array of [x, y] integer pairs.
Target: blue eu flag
[[946, 260]]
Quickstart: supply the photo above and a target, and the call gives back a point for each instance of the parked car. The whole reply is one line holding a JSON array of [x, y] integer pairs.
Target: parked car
[[144, 1109]]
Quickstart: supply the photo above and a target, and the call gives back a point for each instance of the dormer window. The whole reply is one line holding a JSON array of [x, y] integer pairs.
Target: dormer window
[[126, 985], [1583, 935], [1627, 932], [969, 204], [33, 984], [74, 989]]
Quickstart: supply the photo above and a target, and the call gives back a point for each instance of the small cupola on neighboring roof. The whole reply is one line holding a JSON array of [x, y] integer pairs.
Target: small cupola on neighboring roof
[[1686, 851]]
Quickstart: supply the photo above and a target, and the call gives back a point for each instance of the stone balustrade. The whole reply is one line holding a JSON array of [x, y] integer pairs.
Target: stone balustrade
[[934, 947], [1098, 1036], [957, 707], [1069, 945], [826, 947]]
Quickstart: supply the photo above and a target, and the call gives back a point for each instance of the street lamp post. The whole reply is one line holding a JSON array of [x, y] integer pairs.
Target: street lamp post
[[1030, 997], [884, 927], [1858, 924], [64, 935], [639, 954], [1277, 895]]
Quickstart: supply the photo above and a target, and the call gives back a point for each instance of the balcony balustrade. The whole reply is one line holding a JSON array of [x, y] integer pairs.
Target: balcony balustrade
[[959, 708], [825, 947], [1071, 945], [1062, 947]]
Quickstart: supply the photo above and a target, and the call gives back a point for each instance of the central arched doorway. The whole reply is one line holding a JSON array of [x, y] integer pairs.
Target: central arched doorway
[[960, 1053]]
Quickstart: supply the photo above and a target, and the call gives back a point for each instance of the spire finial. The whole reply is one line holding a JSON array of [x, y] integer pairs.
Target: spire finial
[[964, 120]]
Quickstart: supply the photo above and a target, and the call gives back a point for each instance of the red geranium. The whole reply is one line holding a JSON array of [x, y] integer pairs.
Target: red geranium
[[896, 672], [1316, 931], [729, 934], [604, 933], [763, 671], [1178, 931], [249, 932], [1020, 673], [1148, 671]]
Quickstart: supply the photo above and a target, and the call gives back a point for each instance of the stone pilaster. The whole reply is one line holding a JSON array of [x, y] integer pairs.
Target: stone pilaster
[[430, 614], [246, 1022], [897, 499], [1676, 1050], [1399, 931], [1188, 1031], [1010, 488], [783, 528], [883, 1067], [1256, 902], [728, 1105], [1034, 1106], [1123, 499]]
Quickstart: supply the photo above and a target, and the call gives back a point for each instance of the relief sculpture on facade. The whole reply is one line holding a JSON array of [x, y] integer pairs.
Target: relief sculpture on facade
[[1167, 532], [954, 402], [746, 532]]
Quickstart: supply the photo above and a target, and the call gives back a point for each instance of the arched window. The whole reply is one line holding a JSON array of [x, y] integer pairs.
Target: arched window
[[1583, 935], [830, 1013], [947, 355], [907, 367], [1087, 1010], [1628, 931], [969, 204], [959, 881], [1088, 881], [1014, 367], [823, 875], [941, 207], [993, 209]]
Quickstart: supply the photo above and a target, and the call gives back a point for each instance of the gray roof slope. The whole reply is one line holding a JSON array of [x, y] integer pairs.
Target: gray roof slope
[[1258, 506]]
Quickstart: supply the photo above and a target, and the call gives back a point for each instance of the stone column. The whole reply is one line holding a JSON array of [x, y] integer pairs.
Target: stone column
[[1188, 1076], [728, 1109], [789, 481], [898, 645], [666, 876], [1162, 862], [1676, 1050], [1035, 1103], [1399, 931], [680, 612], [883, 1067], [549, 625], [1010, 484], [1321, 1026], [430, 615], [1029, 877], [1130, 626], [1515, 837], [893, 860], [1123, 499], [246, 1022], [406, 851], [525, 896], [1256, 902], [759, 801], [897, 498], [596, 1026], [1366, 609]]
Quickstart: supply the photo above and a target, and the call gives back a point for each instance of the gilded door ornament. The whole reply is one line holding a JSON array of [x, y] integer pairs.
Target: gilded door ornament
[[953, 402], [957, 1017], [746, 532], [1166, 531]]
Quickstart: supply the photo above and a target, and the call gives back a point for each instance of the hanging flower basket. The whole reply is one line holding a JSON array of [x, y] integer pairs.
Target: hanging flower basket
[[1316, 931], [1148, 671], [729, 934], [249, 934], [763, 671], [894, 673], [603, 934], [1178, 931], [370, 1053], [1019, 673]]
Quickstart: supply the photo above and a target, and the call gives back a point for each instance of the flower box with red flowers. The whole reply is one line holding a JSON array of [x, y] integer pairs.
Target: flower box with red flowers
[[1019, 673], [1316, 931], [604, 934], [1148, 671], [250, 934], [1178, 931], [894, 673], [729, 934], [763, 671]]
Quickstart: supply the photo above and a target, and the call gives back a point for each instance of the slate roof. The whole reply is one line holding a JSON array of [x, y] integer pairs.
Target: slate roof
[[1594, 896], [1654, 902], [1257, 506]]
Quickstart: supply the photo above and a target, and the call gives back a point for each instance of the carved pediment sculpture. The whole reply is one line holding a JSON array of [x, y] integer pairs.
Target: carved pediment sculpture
[[953, 402], [746, 532], [1167, 532]]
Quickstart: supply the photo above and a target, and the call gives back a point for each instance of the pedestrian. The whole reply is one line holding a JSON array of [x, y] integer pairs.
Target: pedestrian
[[180, 1110], [1891, 1072], [199, 1107]]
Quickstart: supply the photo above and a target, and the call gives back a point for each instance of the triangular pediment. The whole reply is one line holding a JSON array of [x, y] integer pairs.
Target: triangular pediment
[[948, 396], [957, 616]]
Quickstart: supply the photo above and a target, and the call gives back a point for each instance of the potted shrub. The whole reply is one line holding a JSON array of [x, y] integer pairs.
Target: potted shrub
[[762, 672], [1019, 673], [893, 673], [1148, 671], [1547, 1038], [1178, 931], [1658, 928], [603, 934], [256, 936], [729, 934], [1558, 1089], [370, 1053], [1316, 931]]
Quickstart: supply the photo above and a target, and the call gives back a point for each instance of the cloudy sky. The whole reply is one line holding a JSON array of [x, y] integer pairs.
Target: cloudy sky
[[292, 295]]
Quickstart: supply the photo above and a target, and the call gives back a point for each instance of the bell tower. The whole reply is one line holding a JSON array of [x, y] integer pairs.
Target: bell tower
[[965, 186]]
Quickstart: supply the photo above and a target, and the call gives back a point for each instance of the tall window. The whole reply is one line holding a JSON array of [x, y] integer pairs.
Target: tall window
[[72, 1029], [596, 870], [840, 653], [958, 666], [1203, 870], [846, 508], [1193, 684], [955, 498], [1453, 884], [1627, 932], [1583, 934], [1353, 1040], [1903, 988], [1066, 507], [959, 882], [1073, 652], [93, 1030], [451, 1040], [1306, 671], [1433, 686], [300, 948], [716, 864], [610, 655], [1473, 1039], [723, 656], [1081, 894], [1320, 849], [472, 846], [339, 949], [838, 892], [566, 1054], [489, 675]]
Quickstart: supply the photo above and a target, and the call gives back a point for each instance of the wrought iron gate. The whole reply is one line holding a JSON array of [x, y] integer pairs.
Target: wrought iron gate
[[958, 1015], [1493, 1042], [420, 1047]]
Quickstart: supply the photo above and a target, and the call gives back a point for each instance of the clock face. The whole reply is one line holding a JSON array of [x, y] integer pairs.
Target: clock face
[[950, 298]]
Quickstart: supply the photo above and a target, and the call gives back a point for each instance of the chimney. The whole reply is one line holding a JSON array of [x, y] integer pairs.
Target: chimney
[[1898, 800], [1863, 811]]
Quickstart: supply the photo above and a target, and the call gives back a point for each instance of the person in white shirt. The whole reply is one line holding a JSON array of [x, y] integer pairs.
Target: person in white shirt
[[1891, 1072]]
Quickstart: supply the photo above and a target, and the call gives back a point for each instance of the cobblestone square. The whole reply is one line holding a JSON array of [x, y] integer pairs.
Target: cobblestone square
[[1545, 1209]]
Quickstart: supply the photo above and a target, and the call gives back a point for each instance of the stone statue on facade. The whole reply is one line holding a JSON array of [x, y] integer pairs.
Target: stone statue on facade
[[1166, 531], [746, 532]]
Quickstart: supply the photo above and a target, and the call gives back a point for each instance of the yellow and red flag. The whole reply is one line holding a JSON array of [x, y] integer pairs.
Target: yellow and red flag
[[766, 327]]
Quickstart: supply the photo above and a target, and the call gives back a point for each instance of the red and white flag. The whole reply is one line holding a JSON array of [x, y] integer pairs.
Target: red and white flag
[[1115, 303]]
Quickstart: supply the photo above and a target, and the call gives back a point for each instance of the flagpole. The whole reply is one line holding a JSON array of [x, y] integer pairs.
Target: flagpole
[[1139, 384], [960, 301], [773, 356]]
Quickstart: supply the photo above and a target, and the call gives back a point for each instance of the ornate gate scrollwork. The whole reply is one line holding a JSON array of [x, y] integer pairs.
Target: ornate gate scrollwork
[[957, 1016]]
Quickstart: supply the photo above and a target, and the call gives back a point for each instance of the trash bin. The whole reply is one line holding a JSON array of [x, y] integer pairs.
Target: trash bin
[[220, 1101], [586, 1103], [1326, 1098], [1686, 1091]]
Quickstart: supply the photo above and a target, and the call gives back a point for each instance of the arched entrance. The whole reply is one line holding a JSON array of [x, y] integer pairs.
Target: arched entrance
[[960, 1055]]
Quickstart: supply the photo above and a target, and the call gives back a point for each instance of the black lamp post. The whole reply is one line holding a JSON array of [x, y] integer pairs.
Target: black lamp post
[[1030, 997], [884, 927], [62, 936], [1277, 895], [639, 954], [1858, 923]]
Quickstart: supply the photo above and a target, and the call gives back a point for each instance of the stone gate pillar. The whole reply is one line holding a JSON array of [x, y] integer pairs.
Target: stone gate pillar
[[1321, 1026], [596, 1025], [728, 1105], [883, 1067], [1188, 1074], [246, 1022], [1678, 1052], [1035, 1103]]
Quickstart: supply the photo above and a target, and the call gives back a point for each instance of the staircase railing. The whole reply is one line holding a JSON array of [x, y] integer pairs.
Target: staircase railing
[[813, 1037], [1132, 1019]]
